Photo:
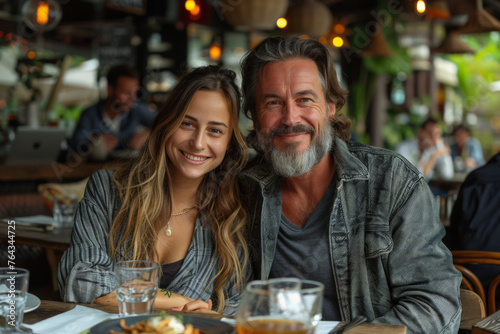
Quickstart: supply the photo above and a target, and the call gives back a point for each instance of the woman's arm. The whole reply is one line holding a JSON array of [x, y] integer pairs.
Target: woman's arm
[[163, 299], [86, 270]]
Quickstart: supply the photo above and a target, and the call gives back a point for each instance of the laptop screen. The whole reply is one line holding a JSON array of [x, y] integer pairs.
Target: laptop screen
[[35, 146]]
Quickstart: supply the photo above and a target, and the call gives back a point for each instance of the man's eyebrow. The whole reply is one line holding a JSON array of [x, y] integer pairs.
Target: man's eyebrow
[[211, 122], [267, 96], [306, 92]]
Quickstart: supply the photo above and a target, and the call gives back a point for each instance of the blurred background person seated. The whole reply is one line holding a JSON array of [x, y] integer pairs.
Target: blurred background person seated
[[475, 218], [466, 151], [118, 123], [428, 151]]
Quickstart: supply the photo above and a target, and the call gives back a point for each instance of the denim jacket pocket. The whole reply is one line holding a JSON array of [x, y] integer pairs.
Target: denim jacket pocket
[[377, 239]]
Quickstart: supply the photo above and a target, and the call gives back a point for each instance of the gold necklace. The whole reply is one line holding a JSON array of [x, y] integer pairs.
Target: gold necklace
[[168, 230]]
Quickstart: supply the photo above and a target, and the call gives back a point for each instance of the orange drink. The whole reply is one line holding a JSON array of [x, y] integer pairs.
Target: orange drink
[[271, 326]]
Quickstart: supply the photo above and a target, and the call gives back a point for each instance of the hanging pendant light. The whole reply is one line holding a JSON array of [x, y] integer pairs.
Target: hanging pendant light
[[378, 46], [438, 10], [479, 21], [452, 44], [41, 15], [255, 14], [310, 17]]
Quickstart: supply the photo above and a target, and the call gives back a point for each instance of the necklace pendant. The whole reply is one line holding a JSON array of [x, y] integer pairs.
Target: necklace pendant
[[168, 230]]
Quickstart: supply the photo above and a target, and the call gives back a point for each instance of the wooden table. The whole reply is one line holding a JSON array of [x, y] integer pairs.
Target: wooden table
[[452, 184], [53, 242], [489, 325], [51, 308], [54, 171]]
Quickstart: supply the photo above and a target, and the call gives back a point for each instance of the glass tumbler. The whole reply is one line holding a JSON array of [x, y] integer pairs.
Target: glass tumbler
[[13, 295], [273, 306], [138, 285]]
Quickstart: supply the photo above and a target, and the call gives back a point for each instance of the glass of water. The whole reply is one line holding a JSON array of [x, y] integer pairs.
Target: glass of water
[[312, 294], [138, 286], [64, 211], [13, 295]]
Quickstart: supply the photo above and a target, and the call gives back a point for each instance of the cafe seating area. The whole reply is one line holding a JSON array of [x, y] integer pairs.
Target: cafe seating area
[[401, 63], [465, 261]]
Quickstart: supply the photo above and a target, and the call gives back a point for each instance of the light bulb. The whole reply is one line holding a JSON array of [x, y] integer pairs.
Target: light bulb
[[420, 6], [215, 52], [281, 23], [189, 5], [41, 15], [337, 42]]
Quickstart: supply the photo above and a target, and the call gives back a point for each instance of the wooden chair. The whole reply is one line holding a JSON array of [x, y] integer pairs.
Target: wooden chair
[[473, 309], [470, 280]]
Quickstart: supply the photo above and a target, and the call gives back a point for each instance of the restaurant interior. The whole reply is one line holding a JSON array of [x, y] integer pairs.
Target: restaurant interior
[[403, 61]]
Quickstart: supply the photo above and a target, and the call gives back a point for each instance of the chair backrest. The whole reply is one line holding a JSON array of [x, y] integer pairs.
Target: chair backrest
[[470, 280], [473, 308]]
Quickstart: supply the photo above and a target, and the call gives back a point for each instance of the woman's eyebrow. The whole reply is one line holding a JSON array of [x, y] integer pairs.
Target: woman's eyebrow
[[211, 122]]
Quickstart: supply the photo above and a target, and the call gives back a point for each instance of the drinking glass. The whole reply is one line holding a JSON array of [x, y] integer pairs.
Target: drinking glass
[[64, 211], [273, 306], [13, 295], [138, 286], [312, 294]]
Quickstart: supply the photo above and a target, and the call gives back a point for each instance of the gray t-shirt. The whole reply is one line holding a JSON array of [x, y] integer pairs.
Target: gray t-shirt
[[304, 252]]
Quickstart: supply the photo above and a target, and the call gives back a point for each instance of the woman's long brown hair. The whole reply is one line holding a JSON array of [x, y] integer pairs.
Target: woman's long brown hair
[[144, 184]]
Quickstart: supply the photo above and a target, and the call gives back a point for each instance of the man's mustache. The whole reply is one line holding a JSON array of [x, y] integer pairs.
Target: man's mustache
[[285, 130]]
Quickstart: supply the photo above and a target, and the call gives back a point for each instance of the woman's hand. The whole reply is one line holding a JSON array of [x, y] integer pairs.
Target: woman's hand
[[196, 306], [166, 299]]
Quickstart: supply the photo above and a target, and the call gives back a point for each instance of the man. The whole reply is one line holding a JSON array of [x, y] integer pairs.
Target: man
[[357, 218], [428, 152], [435, 160], [475, 218], [118, 122], [466, 152]]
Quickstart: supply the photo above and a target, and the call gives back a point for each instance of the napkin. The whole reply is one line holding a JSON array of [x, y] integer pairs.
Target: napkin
[[324, 327], [77, 320], [40, 223], [38, 219]]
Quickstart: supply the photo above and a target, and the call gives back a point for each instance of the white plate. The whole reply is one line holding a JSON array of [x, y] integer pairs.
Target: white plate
[[32, 303]]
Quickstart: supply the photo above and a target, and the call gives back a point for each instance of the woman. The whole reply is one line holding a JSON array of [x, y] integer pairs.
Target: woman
[[176, 203]]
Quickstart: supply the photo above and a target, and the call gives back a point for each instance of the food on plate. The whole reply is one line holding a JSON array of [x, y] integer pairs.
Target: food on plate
[[161, 324]]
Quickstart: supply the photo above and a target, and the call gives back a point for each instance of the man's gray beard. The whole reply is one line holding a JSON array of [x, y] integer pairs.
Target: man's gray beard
[[290, 163]]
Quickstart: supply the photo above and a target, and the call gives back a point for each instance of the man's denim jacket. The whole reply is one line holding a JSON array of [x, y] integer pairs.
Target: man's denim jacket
[[388, 260]]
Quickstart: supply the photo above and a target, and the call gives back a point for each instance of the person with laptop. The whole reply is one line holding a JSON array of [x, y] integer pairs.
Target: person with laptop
[[118, 123]]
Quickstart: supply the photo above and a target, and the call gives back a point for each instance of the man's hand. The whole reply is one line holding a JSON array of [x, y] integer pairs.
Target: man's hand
[[470, 163], [196, 306], [110, 141], [138, 140]]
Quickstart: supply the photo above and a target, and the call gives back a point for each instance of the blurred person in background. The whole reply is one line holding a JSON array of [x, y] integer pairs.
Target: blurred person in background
[[475, 218], [118, 123], [428, 151], [435, 161], [466, 151]]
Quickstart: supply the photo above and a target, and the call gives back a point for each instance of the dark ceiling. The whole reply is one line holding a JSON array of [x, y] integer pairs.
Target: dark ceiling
[[83, 20]]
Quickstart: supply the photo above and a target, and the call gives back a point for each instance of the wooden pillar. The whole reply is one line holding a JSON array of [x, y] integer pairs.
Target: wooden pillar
[[378, 112], [433, 84]]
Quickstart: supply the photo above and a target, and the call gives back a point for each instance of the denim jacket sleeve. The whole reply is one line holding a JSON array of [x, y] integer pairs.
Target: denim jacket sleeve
[[424, 283]]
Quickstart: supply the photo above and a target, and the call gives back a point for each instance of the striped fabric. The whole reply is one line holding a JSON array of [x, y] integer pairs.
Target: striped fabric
[[86, 270]]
